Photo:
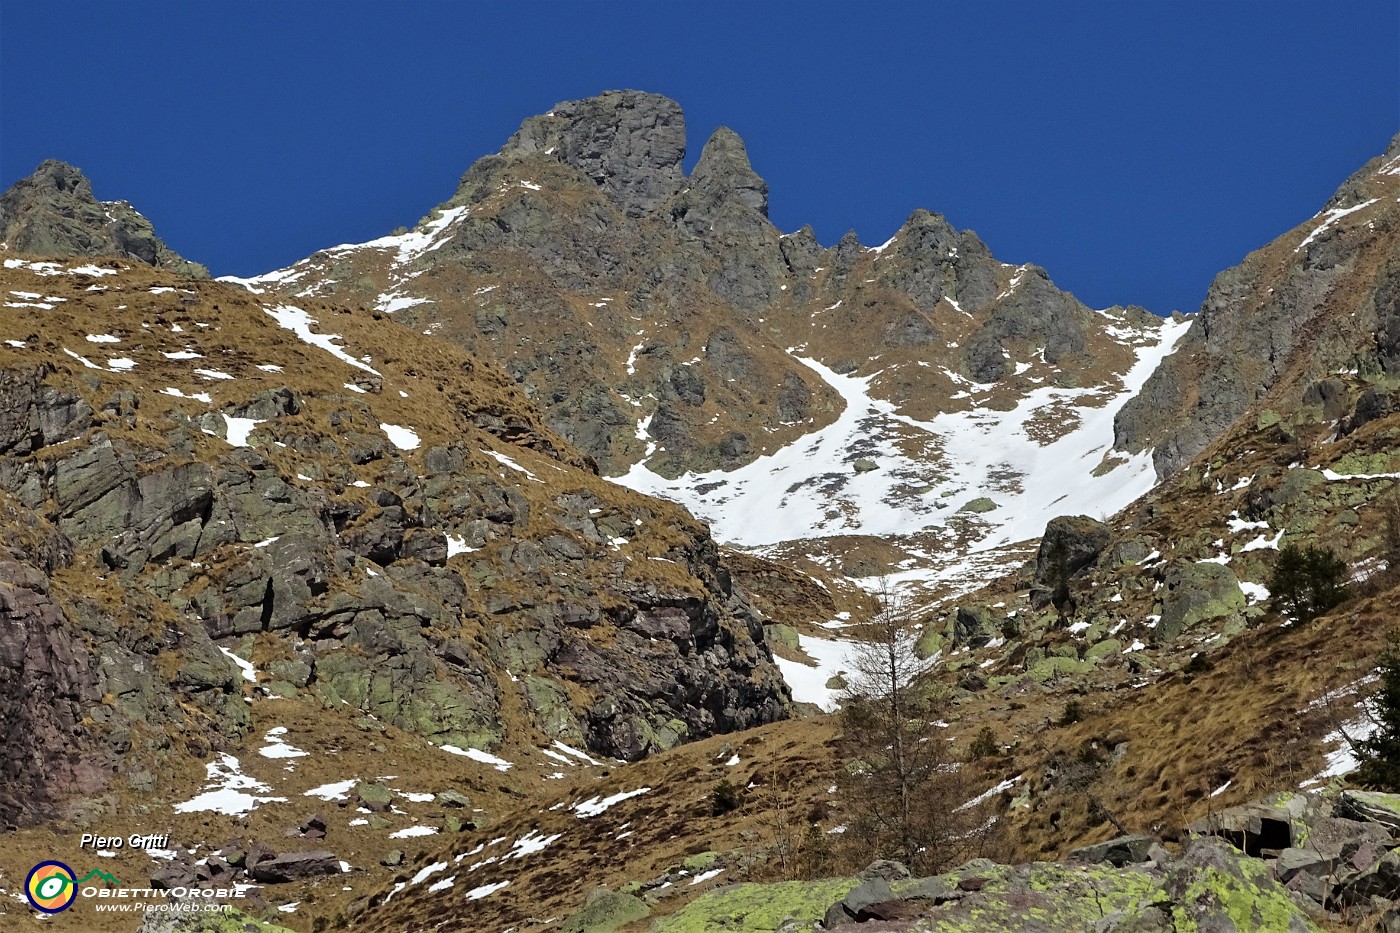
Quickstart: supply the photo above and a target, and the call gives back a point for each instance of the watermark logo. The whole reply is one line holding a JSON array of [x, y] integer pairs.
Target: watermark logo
[[51, 887]]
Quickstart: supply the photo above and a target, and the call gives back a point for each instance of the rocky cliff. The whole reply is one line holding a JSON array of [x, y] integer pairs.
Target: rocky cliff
[[1318, 301], [661, 317], [53, 213], [202, 489]]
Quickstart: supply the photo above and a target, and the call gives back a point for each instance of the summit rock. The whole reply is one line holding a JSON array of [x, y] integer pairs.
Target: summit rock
[[54, 213], [630, 143]]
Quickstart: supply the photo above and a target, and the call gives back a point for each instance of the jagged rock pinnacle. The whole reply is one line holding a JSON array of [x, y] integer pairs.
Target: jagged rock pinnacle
[[53, 213], [630, 143]]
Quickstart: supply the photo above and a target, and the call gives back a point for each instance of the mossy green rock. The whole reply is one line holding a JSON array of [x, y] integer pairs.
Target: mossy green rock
[[979, 505], [1197, 592], [1104, 649], [605, 911], [1049, 668], [1358, 463], [756, 908], [930, 642], [784, 635], [1296, 484], [700, 861], [229, 920], [376, 797], [1210, 887]]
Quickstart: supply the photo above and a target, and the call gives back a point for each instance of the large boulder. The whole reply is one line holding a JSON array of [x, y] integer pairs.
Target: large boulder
[[1070, 544], [295, 866], [1197, 592], [1124, 850], [1372, 807], [975, 626], [605, 911], [1212, 888]]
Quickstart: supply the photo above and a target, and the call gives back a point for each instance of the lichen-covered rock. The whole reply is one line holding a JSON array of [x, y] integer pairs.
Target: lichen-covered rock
[[1210, 887], [227, 920], [1196, 592], [53, 213], [756, 908], [1371, 806], [605, 911]]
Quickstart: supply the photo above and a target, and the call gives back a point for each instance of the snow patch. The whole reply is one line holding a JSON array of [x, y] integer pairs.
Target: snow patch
[[227, 790]]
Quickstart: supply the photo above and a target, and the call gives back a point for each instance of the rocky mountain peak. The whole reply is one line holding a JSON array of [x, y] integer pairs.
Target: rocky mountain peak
[[54, 213], [724, 172], [630, 143], [61, 178], [1369, 181]]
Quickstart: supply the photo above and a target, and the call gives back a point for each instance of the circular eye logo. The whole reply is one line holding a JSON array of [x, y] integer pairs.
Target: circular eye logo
[[51, 887]]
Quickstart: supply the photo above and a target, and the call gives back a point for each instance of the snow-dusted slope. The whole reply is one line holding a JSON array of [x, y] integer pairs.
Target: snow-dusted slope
[[398, 251], [1049, 455]]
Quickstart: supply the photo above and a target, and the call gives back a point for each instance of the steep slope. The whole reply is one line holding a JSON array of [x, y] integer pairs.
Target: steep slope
[[1165, 689], [778, 388], [1319, 300], [53, 213], [220, 521]]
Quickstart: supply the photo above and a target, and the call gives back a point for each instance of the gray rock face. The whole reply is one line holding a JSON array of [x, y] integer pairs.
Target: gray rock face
[[629, 142], [1197, 592], [1036, 312], [53, 213], [47, 681], [726, 205], [354, 580], [1319, 298], [724, 173], [930, 260], [1124, 850], [34, 415]]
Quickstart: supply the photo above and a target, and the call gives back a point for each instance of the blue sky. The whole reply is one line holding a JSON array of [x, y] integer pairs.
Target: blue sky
[[1132, 149]]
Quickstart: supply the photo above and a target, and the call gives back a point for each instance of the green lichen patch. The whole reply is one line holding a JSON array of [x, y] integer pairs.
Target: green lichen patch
[[757, 908]]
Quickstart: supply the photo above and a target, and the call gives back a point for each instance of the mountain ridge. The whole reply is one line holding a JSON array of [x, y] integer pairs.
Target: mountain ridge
[[219, 521], [54, 213]]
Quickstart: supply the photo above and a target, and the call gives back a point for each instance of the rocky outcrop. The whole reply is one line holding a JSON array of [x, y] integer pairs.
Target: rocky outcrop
[[1318, 299], [406, 598], [1332, 851], [612, 286], [1196, 592], [47, 685], [630, 143], [54, 213], [1034, 317], [1071, 543], [1207, 886]]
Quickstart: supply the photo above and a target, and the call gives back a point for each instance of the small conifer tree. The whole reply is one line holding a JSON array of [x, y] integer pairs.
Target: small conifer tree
[[1380, 754], [1307, 581]]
